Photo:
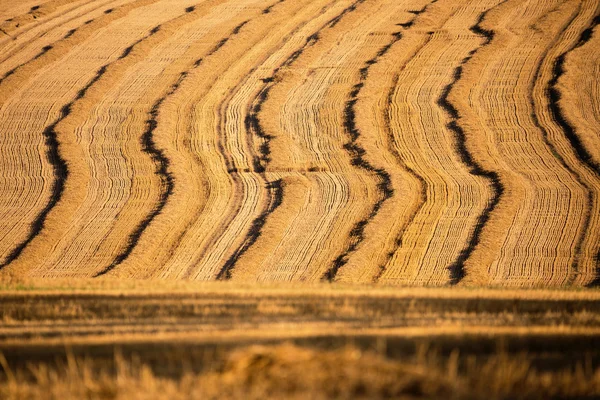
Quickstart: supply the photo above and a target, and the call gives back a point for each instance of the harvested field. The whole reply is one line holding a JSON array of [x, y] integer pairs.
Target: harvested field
[[397, 142], [195, 176]]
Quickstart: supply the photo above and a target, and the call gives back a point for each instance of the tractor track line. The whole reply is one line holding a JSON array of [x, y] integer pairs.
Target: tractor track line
[[253, 125], [457, 269], [161, 161]]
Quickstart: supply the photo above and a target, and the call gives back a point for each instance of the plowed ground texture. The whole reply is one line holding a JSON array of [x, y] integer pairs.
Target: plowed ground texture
[[182, 179]]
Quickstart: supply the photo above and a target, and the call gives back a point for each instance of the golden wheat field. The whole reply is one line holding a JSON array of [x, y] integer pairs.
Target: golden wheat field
[[404, 186]]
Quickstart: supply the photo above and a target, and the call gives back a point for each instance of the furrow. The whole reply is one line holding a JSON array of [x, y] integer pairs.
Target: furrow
[[60, 169], [11, 9], [274, 188], [43, 51], [574, 139], [396, 128], [127, 184], [580, 105], [555, 97], [158, 155], [59, 164], [325, 194], [442, 198], [253, 125], [275, 197], [392, 146], [590, 197], [359, 157], [457, 271], [412, 142], [531, 236], [219, 190], [270, 8], [21, 228], [64, 132]]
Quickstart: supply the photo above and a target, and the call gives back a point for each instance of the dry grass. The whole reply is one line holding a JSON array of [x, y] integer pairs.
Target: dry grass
[[162, 333], [287, 371]]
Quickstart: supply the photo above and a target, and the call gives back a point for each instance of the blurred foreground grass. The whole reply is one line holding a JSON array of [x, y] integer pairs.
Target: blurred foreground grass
[[292, 372]]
